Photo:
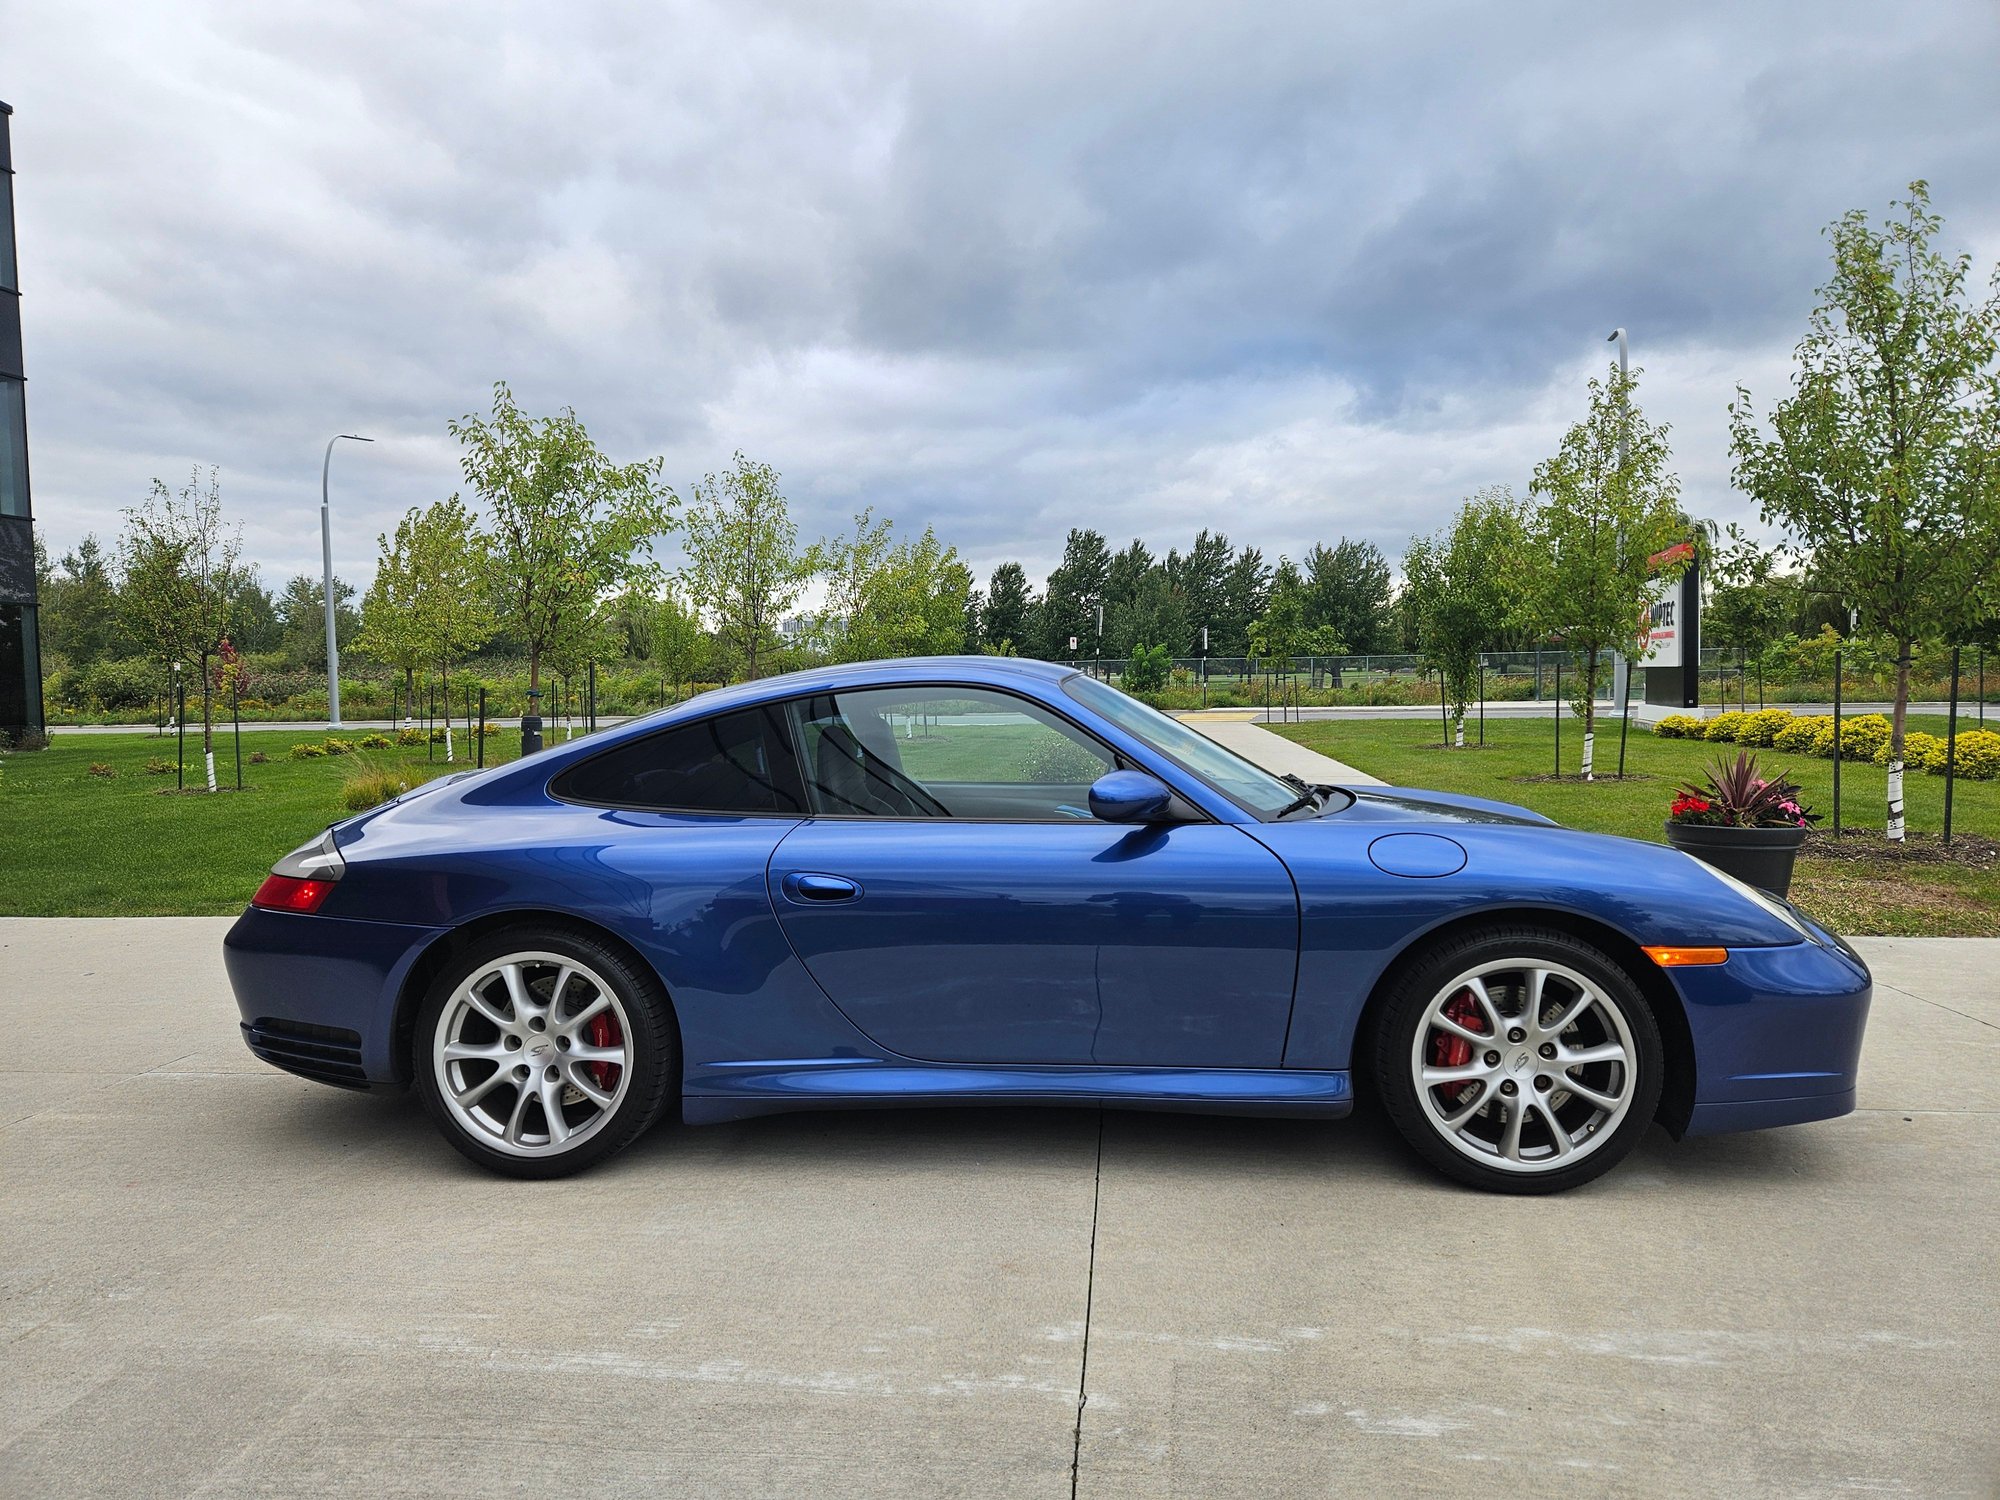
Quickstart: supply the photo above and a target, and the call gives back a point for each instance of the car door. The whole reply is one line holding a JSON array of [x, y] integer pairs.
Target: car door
[[954, 897]]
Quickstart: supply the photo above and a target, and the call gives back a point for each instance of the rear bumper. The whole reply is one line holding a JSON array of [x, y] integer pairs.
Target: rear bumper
[[1777, 1034], [318, 994]]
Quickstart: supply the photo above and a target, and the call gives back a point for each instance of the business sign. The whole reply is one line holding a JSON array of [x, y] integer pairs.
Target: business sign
[[1672, 657]]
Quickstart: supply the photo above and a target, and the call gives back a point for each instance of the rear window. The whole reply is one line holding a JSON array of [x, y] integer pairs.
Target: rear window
[[733, 763]]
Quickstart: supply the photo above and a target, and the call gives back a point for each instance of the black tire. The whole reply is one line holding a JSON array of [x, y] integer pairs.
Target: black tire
[[1615, 1019], [638, 1025]]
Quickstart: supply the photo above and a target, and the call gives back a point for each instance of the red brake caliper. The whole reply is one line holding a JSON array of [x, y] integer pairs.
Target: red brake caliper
[[603, 1032], [1449, 1051]]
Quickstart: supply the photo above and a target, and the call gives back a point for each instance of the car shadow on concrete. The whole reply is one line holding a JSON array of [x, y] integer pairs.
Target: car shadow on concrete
[[1365, 1147]]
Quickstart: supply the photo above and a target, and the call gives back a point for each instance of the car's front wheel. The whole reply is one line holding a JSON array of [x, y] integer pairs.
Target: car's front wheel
[[541, 1051], [1519, 1060]]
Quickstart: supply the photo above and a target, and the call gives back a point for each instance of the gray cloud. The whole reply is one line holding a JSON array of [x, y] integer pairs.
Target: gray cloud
[[1287, 269]]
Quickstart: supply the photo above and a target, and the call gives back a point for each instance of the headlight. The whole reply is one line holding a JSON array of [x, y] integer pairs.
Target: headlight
[[1764, 899]]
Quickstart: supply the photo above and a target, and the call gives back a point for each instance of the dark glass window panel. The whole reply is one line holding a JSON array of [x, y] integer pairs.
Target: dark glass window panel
[[13, 448], [733, 763]]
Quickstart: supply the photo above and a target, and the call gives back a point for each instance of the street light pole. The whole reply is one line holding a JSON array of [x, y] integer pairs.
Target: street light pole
[[326, 558], [1621, 664]]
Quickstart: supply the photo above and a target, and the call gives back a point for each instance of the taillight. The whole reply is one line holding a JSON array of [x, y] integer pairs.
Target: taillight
[[287, 893], [303, 879]]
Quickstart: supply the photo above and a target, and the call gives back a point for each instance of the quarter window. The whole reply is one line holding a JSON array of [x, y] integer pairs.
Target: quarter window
[[945, 752], [732, 763]]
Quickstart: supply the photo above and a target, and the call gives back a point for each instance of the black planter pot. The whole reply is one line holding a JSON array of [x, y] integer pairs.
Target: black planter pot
[[1759, 856]]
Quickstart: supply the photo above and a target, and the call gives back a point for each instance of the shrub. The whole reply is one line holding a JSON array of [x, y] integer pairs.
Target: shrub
[[334, 745], [159, 766], [409, 736], [258, 758], [1679, 727], [1860, 737], [1761, 728], [1977, 757], [101, 771], [131, 682], [371, 789], [374, 742], [1921, 752], [308, 752], [1724, 726], [1147, 671], [1799, 735], [489, 728]]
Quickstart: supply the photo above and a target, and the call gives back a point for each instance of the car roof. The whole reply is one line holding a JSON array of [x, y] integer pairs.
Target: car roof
[[995, 671]]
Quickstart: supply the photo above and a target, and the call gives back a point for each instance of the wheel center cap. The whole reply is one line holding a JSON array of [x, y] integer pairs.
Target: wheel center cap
[[1521, 1061], [541, 1049]]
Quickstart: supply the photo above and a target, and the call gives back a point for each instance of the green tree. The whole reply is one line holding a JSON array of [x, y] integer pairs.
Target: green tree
[[391, 631], [1201, 578], [744, 568], [1004, 619], [1608, 504], [1074, 592], [1246, 593], [1278, 634], [1883, 466], [1348, 587], [79, 606], [566, 526], [1750, 603], [301, 611], [179, 566], [887, 598], [1455, 590], [450, 562]]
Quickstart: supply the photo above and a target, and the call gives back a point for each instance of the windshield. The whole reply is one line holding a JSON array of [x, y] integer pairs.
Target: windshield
[[1247, 785]]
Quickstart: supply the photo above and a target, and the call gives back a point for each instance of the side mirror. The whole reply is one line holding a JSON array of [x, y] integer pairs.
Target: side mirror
[[1130, 797]]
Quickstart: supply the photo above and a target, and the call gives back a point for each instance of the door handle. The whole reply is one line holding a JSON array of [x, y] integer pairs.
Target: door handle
[[808, 888]]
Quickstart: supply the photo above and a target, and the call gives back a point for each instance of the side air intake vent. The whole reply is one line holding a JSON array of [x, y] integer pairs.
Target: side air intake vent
[[325, 1054]]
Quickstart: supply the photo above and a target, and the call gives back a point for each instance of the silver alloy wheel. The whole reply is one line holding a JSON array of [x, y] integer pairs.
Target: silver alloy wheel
[[1524, 1065], [533, 1054]]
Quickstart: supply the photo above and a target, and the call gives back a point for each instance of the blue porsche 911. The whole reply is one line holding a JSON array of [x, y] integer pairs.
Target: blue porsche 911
[[991, 880]]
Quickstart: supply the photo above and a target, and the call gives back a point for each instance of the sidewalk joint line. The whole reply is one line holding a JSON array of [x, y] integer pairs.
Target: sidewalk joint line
[[1089, 1294]]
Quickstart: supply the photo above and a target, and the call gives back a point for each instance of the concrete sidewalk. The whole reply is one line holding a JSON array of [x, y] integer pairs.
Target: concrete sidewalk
[[1274, 752], [216, 1279]]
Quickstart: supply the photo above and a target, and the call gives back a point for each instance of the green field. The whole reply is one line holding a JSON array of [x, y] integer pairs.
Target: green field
[[75, 845], [1863, 888]]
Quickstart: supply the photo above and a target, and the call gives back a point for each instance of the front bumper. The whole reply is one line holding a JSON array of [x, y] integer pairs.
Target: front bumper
[[318, 995], [1777, 1034]]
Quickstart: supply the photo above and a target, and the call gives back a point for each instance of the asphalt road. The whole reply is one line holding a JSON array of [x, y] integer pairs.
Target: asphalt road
[[218, 1280]]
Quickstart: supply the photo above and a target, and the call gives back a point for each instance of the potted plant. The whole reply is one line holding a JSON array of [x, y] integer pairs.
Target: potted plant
[[1744, 824]]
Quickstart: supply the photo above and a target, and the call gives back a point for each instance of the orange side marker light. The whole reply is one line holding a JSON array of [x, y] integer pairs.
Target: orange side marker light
[[1678, 958]]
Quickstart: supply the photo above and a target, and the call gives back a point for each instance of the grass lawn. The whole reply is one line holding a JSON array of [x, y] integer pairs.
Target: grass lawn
[[74, 845], [1860, 888]]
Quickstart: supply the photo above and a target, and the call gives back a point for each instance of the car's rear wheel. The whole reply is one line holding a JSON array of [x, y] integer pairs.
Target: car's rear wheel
[[1519, 1060], [541, 1051]]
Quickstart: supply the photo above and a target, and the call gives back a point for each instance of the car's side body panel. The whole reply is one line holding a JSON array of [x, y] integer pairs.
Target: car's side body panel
[[1048, 943]]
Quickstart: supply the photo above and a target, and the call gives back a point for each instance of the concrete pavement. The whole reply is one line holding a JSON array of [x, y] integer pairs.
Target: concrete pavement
[[1248, 738], [219, 1280]]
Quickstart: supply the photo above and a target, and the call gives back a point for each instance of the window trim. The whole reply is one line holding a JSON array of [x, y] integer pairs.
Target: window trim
[[1119, 761], [781, 718]]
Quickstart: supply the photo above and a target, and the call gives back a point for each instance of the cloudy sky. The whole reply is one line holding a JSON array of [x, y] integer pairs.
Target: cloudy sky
[[1289, 270]]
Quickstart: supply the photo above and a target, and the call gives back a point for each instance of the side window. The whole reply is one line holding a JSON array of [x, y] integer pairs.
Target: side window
[[945, 752], [733, 763]]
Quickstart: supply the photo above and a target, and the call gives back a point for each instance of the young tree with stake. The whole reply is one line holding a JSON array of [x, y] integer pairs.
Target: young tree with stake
[[1455, 589], [744, 566], [1583, 568], [180, 580], [567, 526], [1883, 466]]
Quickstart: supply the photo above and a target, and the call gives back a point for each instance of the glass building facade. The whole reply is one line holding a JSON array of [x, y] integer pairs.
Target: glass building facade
[[20, 646]]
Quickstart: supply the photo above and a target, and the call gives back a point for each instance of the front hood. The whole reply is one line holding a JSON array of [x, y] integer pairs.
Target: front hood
[[1396, 804]]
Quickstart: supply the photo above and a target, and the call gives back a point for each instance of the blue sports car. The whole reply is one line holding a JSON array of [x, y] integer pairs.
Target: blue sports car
[[984, 879]]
